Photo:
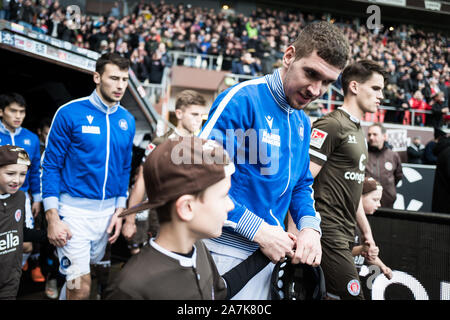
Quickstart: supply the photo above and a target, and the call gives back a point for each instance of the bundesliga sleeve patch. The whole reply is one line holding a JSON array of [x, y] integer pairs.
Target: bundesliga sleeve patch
[[318, 138], [149, 149]]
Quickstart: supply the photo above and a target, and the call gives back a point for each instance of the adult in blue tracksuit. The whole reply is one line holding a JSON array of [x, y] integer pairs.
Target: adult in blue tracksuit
[[13, 112], [85, 173], [261, 124]]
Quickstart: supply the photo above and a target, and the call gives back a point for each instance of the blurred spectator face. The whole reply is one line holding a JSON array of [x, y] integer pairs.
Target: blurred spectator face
[[190, 117], [247, 58], [306, 79], [375, 137], [162, 47], [440, 97], [418, 95], [111, 84]]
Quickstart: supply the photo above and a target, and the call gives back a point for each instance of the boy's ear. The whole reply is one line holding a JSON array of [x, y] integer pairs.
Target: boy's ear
[[184, 208]]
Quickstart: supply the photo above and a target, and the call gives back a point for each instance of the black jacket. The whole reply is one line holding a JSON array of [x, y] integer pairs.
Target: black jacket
[[415, 153]]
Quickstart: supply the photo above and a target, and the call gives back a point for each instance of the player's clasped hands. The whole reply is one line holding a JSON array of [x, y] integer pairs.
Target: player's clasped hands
[[274, 242], [308, 248], [370, 251], [58, 233]]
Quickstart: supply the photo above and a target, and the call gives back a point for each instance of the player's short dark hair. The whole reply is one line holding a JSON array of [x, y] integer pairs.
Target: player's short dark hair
[[327, 39], [189, 97], [7, 98], [360, 71], [45, 122], [112, 58]]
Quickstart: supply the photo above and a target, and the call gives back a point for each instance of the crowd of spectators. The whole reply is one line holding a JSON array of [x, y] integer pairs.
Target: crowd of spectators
[[417, 61]]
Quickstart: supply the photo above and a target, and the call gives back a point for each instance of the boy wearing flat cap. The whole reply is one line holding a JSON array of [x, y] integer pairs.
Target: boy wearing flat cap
[[14, 164], [187, 181]]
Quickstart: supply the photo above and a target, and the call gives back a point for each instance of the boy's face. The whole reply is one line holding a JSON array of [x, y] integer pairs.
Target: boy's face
[[12, 177], [13, 116], [211, 212], [371, 201]]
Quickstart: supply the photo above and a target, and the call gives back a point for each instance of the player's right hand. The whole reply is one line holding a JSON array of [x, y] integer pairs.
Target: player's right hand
[[274, 242], [58, 233], [129, 229]]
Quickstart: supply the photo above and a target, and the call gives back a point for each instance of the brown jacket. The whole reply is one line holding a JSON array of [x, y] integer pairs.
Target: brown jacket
[[155, 275], [12, 212], [385, 166]]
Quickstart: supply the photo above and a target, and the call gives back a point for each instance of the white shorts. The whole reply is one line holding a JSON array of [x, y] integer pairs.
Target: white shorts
[[29, 219], [88, 242], [258, 288]]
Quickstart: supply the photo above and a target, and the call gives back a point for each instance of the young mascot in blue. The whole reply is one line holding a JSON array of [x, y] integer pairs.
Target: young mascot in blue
[[86, 167]]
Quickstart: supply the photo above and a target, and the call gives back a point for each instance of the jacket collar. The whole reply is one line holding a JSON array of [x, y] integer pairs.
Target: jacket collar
[[6, 131], [350, 116], [95, 99], [184, 261], [276, 87]]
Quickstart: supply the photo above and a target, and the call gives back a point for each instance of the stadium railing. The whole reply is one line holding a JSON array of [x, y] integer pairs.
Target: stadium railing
[[333, 97], [196, 60]]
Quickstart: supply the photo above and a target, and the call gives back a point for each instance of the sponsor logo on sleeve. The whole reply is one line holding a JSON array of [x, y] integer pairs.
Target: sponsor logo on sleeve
[[318, 138]]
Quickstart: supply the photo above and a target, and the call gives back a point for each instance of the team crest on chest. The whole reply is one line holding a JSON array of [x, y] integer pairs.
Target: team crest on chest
[[123, 124], [18, 215]]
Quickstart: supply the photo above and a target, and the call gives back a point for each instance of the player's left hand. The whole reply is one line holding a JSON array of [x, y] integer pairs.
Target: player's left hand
[[308, 248], [115, 225], [372, 251]]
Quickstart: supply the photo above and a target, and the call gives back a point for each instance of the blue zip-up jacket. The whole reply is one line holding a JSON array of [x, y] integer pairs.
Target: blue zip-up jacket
[[272, 167], [87, 159], [28, 140]]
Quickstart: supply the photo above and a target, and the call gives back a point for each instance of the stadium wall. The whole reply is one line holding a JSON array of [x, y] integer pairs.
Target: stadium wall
[[416, 246]]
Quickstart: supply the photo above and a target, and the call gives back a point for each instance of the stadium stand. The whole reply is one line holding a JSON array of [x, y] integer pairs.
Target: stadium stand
[[157, 36]]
